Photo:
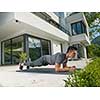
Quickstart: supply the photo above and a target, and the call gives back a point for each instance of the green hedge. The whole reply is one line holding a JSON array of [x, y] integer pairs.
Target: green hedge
[[87, 77]]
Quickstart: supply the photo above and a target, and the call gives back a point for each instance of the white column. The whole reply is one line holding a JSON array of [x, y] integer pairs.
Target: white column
[[85, 52]]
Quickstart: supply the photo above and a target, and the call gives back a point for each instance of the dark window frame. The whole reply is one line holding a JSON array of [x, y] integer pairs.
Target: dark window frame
[[10, 48], [82, 26]]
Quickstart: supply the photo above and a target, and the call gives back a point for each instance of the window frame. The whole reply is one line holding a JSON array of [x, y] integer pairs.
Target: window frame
[[82, 26]]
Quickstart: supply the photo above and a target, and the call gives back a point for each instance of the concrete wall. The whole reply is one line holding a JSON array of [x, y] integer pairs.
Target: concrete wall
[[56, 46], [5, 17], [75, 17]]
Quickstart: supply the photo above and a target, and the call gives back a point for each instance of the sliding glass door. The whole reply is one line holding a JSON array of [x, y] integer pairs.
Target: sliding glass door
[[17, 48], [45, 47], [34, 48], [38, 47], [6, 52], [11, 50]]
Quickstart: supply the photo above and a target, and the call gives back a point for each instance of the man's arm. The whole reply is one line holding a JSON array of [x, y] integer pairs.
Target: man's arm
[[64, 69], [59, 69]]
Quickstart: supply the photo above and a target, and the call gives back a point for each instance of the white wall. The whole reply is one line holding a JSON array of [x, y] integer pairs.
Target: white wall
[[5, 17], [55, 46], [65, 46]]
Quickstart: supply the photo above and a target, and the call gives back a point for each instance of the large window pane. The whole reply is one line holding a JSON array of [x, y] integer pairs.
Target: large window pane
[[6, 57], [34, 48], [74, 29], [79, 28], [17, 48], [45, 47]]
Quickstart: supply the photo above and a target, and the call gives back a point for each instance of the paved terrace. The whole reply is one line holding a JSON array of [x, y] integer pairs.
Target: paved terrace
[[10, 76]]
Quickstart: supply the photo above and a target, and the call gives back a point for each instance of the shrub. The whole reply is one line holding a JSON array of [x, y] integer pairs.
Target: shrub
[[87, 77]]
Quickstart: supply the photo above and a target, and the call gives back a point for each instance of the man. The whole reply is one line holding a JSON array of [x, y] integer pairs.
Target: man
[[57, 60]]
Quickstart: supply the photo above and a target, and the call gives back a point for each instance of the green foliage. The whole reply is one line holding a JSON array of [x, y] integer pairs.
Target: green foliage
[[87, 77], [93, 19], [93, 50], [23, 56]]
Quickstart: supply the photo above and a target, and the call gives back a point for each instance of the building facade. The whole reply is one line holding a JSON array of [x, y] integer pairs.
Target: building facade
[[40, 33]]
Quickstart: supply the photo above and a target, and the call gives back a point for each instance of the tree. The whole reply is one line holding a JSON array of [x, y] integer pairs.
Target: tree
[[93, 19], [93, 50]]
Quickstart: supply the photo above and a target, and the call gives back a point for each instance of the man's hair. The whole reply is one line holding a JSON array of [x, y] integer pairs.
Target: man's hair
[[71, 48]]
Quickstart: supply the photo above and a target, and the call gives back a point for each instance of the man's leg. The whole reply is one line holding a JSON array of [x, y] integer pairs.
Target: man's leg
[[38, 62]]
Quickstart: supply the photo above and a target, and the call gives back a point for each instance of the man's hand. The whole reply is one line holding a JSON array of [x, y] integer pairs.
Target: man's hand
[[64, 69], [71, 69], [59, 69]]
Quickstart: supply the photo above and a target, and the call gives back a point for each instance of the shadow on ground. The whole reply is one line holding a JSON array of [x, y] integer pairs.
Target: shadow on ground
[[43, 71]]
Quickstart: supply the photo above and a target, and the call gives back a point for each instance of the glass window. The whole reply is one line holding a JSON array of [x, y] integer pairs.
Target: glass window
[[78, 28], [13, 47], [17, 48], [11, 50], [34, 48], [6, 54], [74, 29], [45, 47]]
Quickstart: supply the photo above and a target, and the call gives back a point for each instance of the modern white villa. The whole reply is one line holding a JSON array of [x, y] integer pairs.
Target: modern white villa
[[41, 33]]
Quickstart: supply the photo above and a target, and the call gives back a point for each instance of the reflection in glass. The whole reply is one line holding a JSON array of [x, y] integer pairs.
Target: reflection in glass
[[7, 52], [34, 48], [45, 47], [78, 28], [11, 50], [17, 48]]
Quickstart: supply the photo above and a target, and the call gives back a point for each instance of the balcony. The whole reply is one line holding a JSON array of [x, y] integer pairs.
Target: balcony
[[53, 16], [81, 38], [51, 19]]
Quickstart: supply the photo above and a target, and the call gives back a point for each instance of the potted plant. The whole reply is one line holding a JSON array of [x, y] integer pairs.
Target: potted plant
[[23, 58]]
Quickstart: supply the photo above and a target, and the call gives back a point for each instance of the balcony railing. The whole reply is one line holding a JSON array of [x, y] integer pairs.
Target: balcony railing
[[48, 19]]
